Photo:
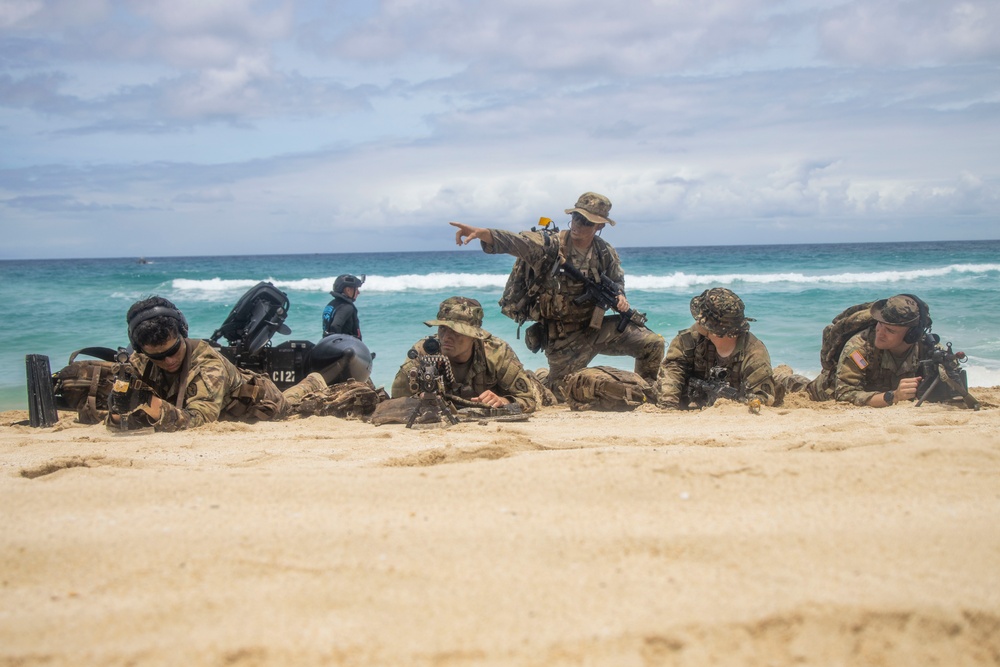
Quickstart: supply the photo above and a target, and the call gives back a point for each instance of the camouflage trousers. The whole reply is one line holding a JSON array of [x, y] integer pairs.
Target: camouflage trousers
[[819, 389], [294, 394], [573, 351]]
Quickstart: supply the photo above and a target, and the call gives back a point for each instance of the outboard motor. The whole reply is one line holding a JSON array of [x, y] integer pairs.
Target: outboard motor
[[340, 357], [256, 317]]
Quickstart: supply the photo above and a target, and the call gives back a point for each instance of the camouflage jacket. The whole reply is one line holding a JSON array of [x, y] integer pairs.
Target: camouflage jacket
[[692, 355], [864, 370], [494, 366], [216, 389], [556, 298]]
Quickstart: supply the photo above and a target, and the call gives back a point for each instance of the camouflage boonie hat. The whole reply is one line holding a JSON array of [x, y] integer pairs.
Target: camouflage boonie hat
[[461, 315], [720, 311], [593, 207], [900, 311]]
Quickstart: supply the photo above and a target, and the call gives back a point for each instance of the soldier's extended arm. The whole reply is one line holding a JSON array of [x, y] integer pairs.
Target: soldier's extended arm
[[674, 371]]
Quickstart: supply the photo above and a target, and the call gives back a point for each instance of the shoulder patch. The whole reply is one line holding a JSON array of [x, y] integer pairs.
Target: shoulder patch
[[859, 360]]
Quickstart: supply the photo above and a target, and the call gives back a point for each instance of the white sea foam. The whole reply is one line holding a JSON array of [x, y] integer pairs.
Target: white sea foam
[[681, 279], [444, 281], [373, 283]]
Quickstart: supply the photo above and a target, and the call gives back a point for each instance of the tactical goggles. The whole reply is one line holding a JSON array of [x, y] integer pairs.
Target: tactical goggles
[[582, 220], [160, 356]]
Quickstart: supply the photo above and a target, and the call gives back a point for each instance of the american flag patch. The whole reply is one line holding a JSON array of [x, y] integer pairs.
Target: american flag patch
[[861, 362]]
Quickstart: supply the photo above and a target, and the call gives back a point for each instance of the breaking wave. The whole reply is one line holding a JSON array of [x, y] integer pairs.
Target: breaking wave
[[679, 279]]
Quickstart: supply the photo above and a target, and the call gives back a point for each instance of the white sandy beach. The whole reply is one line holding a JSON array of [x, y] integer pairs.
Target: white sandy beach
[[806, 535]]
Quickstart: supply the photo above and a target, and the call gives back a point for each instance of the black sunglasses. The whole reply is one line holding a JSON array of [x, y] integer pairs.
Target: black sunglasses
[[160, 356], [582, 220]]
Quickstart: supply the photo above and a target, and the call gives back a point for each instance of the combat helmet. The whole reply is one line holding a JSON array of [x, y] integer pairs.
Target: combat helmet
[[720, 312], [346, 280]]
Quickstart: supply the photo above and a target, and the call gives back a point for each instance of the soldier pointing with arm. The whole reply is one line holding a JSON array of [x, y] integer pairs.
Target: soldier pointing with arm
[[570, 328]]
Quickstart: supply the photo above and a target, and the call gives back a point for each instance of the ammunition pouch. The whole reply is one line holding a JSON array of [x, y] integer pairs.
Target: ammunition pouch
[[536, 337]]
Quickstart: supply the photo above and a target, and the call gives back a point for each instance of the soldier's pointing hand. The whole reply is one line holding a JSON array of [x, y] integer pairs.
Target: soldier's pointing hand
[[470, 233]]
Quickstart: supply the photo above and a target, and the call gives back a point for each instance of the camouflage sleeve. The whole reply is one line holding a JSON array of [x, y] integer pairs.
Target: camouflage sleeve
[[756, 371], [401, 383], [512, 380], [850, 377], [526, 245], [614, 269], [203, 401], [675, 370]]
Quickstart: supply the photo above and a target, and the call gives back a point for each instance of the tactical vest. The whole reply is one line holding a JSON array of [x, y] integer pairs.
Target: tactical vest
[[538, 292], [705, 361], [879, 378]]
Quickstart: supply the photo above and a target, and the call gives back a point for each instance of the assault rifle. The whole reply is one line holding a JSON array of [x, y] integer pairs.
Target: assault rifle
[[128, 393], [717, 386], [605, 294], [427, 382], [942, 365]]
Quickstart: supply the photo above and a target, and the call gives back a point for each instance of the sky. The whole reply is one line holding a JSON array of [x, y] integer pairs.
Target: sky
[[230, 127]]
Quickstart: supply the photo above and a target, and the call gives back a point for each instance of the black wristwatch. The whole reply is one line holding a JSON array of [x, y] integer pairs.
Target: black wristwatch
[[890, 397]]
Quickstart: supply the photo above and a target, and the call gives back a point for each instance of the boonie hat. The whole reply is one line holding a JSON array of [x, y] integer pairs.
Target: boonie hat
[[900, 311], [593, 207], [461, 315], [720, 311]]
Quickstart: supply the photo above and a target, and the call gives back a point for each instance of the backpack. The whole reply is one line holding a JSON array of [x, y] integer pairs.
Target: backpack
[[837, 333], [607, 389], [84, 386], [519, 301]]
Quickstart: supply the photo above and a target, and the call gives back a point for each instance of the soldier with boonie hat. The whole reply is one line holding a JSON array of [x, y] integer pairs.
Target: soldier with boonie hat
[[481, 368], [569, 326], [880, 365], [720, 338]]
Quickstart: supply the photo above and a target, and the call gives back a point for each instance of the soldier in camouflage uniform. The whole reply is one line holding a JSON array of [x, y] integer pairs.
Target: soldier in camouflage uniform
[[879, 366], [193, 384], [572, 334], [720, 337], [485, 368]]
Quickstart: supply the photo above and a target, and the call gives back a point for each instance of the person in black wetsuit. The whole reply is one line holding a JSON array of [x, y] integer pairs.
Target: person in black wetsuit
[[341, 315]]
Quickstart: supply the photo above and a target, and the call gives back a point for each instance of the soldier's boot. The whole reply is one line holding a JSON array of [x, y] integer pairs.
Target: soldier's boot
[[312, 382], [791, 381]]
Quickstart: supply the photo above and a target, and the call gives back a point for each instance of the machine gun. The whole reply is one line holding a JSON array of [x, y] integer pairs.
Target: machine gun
[[605, 294], [942, 366], [717, 386], [427, 382]]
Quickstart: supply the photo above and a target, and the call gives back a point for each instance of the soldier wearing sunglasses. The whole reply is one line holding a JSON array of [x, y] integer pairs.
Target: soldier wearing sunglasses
[[570, 328], [190, 383]]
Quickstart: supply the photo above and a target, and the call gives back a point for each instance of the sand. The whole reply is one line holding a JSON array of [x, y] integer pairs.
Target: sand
[[806, 535]]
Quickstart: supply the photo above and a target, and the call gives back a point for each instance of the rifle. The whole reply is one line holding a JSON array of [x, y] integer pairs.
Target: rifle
[[942, 365], [128, 393], [605, 294], [716, 387]]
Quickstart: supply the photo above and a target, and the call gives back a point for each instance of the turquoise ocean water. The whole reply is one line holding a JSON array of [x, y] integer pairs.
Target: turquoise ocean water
[[56, 306]]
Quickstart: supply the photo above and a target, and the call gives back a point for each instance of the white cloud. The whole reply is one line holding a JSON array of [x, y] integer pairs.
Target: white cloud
[[765, 122]]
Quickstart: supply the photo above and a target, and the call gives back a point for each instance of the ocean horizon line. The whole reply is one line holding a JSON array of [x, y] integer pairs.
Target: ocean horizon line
[[839, 244]]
